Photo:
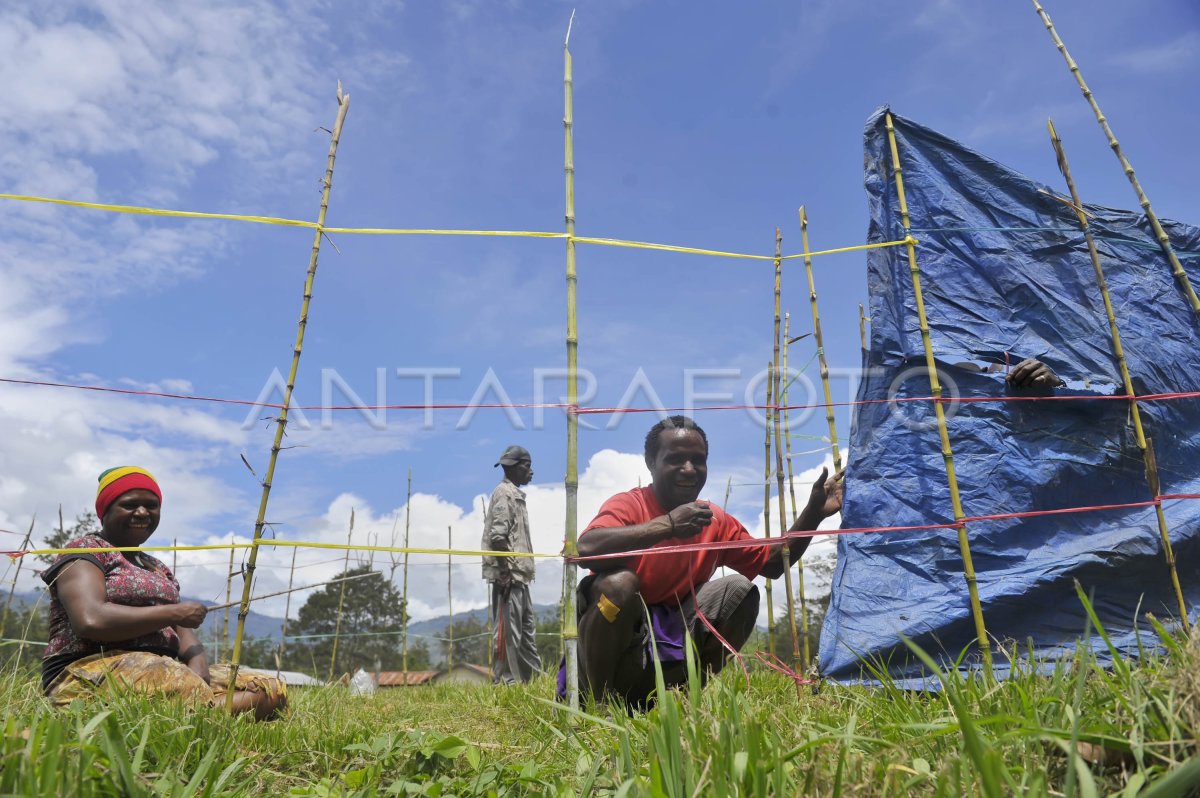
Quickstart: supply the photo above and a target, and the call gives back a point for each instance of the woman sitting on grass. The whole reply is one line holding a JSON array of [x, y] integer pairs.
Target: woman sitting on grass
[[116, 616]]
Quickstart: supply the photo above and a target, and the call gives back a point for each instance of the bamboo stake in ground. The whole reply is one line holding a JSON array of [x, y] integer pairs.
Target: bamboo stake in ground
[[806, 648], [337, 624], [224, 641], [935, 389], [450, 596], [821, 359], [1119, 353], [1163, 240], [571, 482], [783, 522], [787, 425], [491, 618], [281, 423], [767, 502], [287, 610], [404, 595]]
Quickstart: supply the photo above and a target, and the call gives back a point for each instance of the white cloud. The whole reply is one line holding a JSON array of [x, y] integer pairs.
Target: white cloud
[[132, 102], [1171, 56]]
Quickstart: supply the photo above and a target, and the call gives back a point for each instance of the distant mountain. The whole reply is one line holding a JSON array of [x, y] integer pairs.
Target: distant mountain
[[259, 625]]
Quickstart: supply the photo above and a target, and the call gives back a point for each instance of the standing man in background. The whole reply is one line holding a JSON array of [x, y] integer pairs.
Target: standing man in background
[[506, 528]]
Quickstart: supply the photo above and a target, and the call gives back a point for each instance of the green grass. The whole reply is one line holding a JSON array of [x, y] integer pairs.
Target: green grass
[[1025, 736]]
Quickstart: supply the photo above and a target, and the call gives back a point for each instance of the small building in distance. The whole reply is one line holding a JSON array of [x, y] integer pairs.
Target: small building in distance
[[404, 678], [461, 673], [296, 678], [464, 673]]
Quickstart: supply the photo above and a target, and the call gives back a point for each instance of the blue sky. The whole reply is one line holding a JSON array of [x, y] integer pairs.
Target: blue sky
[[695, 124]]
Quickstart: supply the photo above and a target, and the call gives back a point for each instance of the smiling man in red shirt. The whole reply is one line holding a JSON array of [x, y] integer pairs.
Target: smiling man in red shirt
[[615, 656]]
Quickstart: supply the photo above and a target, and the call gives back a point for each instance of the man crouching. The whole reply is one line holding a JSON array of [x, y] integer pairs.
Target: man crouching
[[673, 589]]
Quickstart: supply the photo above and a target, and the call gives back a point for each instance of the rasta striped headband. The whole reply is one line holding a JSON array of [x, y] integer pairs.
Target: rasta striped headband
[[119, 480]]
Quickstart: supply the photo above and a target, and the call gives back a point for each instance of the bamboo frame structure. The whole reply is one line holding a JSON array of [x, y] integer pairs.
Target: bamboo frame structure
[[768, 584], [821, 359], [450, 597], [281, 422], [287, 610], [337, 624], [935, 390], [1143, 442], [783, 522], [1164, 240], [806, 648], [404, 594], [571, 481]]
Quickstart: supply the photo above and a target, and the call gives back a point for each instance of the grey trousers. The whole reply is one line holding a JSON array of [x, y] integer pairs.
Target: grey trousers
[[730, 604], [515, 653]]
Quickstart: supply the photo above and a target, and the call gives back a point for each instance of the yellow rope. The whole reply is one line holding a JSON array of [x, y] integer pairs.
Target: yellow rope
[[399, 231], [304, 544]]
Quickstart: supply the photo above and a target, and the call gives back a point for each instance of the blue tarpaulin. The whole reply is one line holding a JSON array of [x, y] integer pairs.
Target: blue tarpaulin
[[1005, 276]]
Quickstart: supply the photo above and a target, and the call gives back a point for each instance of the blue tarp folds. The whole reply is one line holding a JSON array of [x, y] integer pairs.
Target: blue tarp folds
[[1005, 276]]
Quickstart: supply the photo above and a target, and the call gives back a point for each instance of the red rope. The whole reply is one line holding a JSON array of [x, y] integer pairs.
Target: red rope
[[777, 665], [576, 410], [736, 654], [758, 542]]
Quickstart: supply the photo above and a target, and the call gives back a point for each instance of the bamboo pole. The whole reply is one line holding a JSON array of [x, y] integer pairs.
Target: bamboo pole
[[450, 596], [281, 424], [821, 359], [787, 425], [224, 642], [12, 591], [1144, 443], [571, 482], [783, 522], [337, 624], [491, 620], [404, 594], [1161, 235], [174, 555], [287, 609], [935, 390], [787, 438], [767, 502], [862, 328]]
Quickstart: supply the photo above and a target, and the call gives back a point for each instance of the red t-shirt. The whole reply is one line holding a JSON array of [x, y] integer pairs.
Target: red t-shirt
[[673, 577]]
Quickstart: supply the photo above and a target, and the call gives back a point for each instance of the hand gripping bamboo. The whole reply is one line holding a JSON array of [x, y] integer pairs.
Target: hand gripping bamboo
[[281, 422], [1119, 354], [1161, 235], [935, 389]]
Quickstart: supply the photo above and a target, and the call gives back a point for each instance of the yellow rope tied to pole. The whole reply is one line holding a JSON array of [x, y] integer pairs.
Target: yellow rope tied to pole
[[402, 231]]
